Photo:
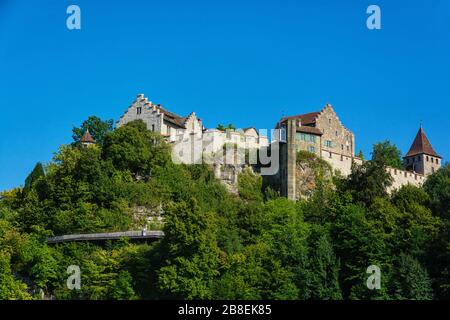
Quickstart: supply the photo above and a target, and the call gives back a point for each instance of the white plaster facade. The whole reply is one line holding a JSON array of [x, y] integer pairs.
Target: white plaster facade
[[159, 120]]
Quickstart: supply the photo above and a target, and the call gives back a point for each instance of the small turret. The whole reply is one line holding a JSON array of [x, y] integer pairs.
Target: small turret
[[87, 140]]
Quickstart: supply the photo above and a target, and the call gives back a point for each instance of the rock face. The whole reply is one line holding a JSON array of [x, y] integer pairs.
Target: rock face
[[308, 170], [228, 174], [148, 218]]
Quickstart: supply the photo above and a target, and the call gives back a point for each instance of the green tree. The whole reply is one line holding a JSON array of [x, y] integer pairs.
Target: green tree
[[360, 155], [132, 147], [321, 280], [33, 177], [191, 253], [437, 186], [358, 245], [10, 288], [388, 154], [367, 181], [410, 280], [97, 128], [250, 186]]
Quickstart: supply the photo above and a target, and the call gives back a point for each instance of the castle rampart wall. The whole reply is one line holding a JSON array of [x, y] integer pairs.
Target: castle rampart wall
[[403, 177], [340, 162]]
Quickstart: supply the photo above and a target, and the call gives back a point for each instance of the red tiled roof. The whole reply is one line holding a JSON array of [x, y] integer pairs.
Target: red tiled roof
[[421, 145], [87, 138], [307, 129], [307, 118]]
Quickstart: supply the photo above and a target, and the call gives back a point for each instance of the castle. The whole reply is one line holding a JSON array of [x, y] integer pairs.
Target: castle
[[321, 133], [175, 127]]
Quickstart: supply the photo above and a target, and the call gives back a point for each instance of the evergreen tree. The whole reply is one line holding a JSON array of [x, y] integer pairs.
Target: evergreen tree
[[410, 280]]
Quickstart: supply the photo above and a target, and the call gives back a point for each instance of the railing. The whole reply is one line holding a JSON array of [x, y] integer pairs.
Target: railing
[[134, 235]]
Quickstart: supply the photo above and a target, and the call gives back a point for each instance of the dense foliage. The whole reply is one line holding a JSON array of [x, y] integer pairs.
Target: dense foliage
[[388, 153], [217, 245]]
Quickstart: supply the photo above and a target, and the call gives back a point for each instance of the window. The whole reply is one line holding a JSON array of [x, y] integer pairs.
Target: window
[[153, 127], [342, 147], [348, 148], [336, 133], [437, 161], [283, 134], [139, 110], [329, 143], [329, 121], [312, 149], [428, 158], [432, 160], [305, 137]]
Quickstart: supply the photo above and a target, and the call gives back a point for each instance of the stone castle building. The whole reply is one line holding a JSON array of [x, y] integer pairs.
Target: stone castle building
[[158, 119], [188, 133], [323, 134]]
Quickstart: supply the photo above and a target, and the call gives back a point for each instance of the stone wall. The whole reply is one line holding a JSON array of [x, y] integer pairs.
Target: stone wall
[[340, 162], [342, 140], [142, 109], [403, 177]]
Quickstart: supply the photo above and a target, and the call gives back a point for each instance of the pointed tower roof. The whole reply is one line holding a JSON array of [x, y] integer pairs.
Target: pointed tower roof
[[87, 138], [421, 145]]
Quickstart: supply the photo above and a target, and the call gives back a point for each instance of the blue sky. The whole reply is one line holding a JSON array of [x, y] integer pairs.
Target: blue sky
[[244, 62]]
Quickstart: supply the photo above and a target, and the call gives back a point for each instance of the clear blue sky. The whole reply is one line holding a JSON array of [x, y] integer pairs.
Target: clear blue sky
[[245, 62]]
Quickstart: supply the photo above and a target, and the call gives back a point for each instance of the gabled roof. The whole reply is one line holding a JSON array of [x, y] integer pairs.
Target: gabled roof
[[172, 117], [306, 118], [421, 145], [87, 138], [308, 129]]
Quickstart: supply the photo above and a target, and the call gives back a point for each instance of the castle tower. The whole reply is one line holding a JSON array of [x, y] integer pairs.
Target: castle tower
[[421, 157], [87, 140]]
